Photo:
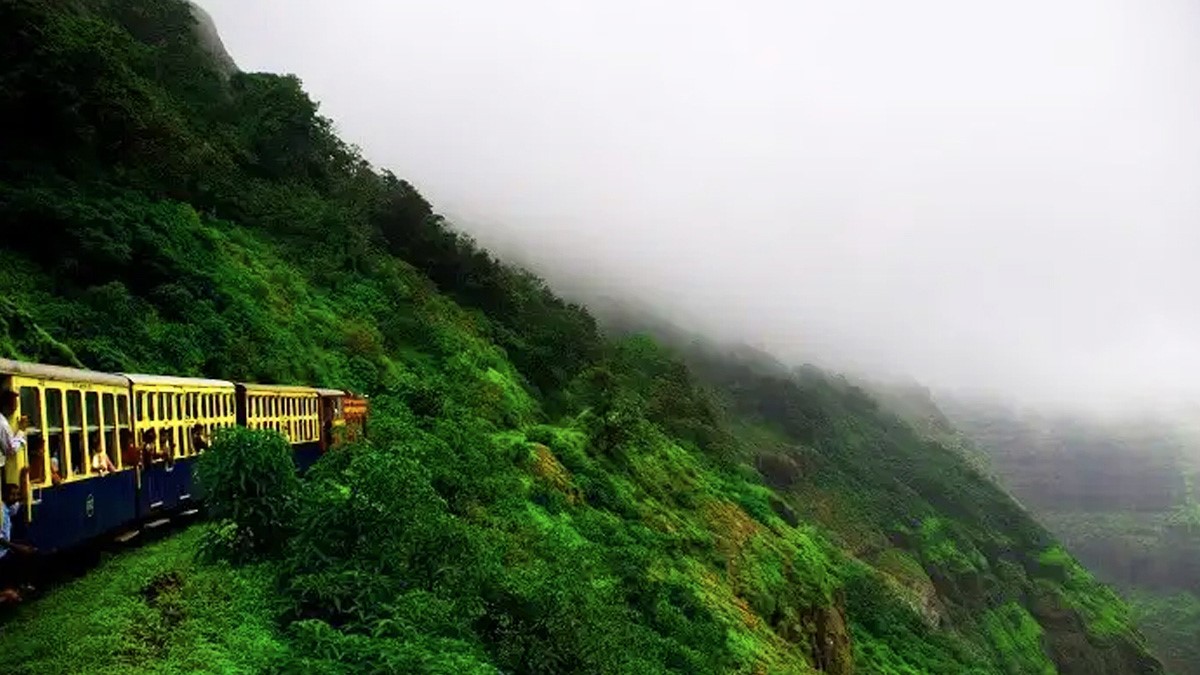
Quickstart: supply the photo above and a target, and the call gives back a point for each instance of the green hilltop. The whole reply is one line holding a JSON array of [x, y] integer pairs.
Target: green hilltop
[[538, 495]]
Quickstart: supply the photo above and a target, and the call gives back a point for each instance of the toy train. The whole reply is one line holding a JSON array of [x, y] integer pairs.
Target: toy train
[[106, 452]]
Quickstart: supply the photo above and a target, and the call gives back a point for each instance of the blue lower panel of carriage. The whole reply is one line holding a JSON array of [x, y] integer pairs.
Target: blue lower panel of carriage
[[306, 454], [71, 513], [165, 488]]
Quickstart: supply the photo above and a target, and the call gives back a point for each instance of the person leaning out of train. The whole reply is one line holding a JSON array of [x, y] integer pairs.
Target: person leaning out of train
[[13, 555], [37, 462], [199, 441], [131, 454], [149, 446], [10, 441], [101, 463]]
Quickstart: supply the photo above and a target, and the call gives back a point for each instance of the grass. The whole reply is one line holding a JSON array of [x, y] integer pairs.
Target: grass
[[152, 610]]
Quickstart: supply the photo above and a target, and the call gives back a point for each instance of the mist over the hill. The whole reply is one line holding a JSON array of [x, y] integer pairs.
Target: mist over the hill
[[998, 199]]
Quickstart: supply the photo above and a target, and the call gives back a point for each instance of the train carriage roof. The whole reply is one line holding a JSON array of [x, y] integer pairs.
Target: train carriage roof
[[171, 381], [278, 389], [60, 373], [330, 392]]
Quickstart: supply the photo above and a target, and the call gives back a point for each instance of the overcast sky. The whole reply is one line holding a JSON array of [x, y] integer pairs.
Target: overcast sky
[[998, 196]]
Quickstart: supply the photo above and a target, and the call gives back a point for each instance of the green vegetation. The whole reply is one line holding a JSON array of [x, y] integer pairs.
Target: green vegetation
[[1120, 495], [249, 485], [153, 610], [1170, 622], [536, 496]]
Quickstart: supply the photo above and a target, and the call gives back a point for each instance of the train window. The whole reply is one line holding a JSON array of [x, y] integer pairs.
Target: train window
[[31, 408], [178, 406], [164, 411], [146, 407], [93, 427], [126, 447], [92, 405], [56, 436], [122, 412], [75, 437], [112, 441], [54, 411]]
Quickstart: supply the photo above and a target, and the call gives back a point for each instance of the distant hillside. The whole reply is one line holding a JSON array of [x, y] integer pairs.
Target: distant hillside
[[538, 495], [1121, 494]]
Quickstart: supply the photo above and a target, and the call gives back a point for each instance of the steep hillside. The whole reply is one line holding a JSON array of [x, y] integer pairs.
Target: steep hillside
[[1121, 495], [536, 496]]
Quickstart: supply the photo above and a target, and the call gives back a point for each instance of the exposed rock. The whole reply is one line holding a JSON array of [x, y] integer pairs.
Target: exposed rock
[[1076, 652], [825, 632], [206, 30]]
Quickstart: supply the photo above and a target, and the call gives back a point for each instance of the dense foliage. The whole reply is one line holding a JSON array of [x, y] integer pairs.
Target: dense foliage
[[535, 496], [248, 482]]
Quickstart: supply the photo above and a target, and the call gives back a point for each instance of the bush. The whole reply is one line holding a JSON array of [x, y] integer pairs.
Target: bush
[[250, 487]]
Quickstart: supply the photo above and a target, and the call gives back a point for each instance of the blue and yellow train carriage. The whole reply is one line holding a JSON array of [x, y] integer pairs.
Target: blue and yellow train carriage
[[174, 418], [293, 411], [74, 419]]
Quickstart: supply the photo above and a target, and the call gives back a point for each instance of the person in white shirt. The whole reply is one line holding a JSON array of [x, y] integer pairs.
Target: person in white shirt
[[101, 463], [10, 441]]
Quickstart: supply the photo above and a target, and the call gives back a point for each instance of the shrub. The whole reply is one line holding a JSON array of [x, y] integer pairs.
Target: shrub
[[250, 487]]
